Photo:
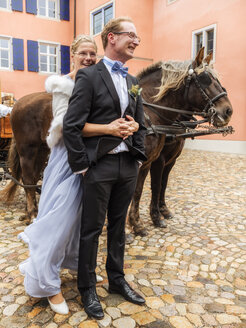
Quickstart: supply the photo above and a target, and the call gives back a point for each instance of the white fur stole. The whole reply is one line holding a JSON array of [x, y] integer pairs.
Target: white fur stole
[[61, 87], [57, 83]]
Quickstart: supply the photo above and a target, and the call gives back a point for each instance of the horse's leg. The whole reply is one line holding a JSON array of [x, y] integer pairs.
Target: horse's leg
[[162, 202], [172, 151], [134, 209], [156, 173], [41, 160], [36, 165], [28, 156]]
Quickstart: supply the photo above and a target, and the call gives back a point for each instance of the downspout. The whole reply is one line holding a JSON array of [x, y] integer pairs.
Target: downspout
[[74, 20]]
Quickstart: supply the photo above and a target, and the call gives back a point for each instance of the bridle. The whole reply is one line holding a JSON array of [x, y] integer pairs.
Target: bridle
[[208, 112]]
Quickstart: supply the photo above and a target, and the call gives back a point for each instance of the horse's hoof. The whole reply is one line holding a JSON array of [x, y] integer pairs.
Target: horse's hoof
[[129, 238], [23, 218], [160, 224], [140, 232], [168, 216]]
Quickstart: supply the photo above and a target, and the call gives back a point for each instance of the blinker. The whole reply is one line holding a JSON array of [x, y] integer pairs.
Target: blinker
[[204, 79], [190, 71]]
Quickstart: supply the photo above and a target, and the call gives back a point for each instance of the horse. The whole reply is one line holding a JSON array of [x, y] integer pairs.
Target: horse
[[176, 87], [27, 157], [32, 115]]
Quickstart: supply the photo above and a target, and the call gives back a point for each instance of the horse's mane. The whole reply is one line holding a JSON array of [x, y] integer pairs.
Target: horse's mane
[[173, 74], [149, 70]]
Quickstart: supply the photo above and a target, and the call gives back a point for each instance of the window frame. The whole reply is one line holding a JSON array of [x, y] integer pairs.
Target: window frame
[[58, 56], [10, 53], [204, 31], [96, 11], [8, 6], [57, 12]]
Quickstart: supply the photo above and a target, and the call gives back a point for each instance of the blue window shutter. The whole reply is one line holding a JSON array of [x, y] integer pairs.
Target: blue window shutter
[[64, 9], [65, 59], [31, 6], [18, 54], [32, 55], [17, 5]]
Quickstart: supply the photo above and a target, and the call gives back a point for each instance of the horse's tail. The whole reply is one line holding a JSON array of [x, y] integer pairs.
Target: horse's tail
[[8, 193]]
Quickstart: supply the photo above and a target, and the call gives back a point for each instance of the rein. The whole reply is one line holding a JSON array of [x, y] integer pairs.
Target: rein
[[171, 109], [37, 187]]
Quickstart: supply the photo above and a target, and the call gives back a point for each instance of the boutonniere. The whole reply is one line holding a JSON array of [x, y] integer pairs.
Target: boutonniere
[[135, 91]]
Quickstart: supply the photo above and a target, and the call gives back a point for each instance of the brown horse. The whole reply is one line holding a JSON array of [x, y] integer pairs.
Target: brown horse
[[32, 114], [190, 86], [30, 120]]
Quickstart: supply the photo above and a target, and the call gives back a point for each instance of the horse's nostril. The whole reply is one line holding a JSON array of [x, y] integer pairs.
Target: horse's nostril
[[228, 111]]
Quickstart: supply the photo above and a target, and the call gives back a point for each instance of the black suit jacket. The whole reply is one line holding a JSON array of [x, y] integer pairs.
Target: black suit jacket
[[95, 100]]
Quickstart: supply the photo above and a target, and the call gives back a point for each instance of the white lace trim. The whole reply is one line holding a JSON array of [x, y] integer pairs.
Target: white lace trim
[[5, 110]]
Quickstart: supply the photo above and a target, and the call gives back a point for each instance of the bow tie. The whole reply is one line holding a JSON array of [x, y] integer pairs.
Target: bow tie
[[120, 69]]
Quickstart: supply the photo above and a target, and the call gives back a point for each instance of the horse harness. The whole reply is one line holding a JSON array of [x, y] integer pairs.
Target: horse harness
[[179, 128]]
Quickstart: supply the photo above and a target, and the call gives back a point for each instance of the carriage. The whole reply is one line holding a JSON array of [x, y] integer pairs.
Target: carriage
[[6, 104]]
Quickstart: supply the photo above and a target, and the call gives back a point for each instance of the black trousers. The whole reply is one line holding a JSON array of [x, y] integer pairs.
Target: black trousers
[[108, 189]]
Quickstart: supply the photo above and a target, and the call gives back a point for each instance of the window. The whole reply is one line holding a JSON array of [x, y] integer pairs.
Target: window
[[48, 8], [5, 51], [198, 42], [48, 58], [11, 53], [100, 17], [53, 9], [4, 4], [16, 5], [205, 37]]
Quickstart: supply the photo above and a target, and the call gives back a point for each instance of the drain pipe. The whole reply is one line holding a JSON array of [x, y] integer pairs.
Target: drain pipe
[[74, 24]]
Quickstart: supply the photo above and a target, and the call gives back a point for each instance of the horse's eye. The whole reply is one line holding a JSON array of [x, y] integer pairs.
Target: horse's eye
[[204, 80]]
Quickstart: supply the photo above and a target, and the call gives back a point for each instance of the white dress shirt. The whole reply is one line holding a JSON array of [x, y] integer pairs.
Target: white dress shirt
[[121, 88]]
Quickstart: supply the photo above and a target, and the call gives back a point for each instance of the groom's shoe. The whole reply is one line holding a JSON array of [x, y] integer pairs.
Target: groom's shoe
[[92, 305], [123, 288]]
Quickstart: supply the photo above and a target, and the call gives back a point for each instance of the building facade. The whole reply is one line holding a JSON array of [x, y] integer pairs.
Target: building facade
[[35, 36]]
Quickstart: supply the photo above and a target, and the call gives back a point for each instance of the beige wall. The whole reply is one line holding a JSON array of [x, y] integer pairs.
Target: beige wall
[[172, 39]]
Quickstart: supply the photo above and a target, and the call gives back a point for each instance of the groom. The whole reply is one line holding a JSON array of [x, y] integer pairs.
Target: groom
[[103, 93]]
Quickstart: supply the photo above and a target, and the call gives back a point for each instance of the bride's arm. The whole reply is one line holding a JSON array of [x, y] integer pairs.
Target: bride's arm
[[118, 128]]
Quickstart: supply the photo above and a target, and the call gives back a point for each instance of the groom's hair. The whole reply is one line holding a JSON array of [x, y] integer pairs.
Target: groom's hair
[[114, 25]]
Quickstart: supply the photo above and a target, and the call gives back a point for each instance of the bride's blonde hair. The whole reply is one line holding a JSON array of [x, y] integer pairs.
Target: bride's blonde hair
[[81, 38]]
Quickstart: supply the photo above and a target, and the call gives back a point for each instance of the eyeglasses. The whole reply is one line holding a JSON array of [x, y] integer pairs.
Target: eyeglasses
[[131, 35], [84, 54]]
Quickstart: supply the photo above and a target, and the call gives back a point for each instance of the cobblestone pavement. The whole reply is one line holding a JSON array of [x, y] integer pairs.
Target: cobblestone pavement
[[192, 274]]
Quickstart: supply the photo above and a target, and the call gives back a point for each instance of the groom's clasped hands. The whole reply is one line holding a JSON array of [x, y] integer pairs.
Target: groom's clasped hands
[[123, 127]]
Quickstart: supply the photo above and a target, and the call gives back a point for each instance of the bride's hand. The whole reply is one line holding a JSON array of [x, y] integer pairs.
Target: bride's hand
[[118, 128], [133, 126]]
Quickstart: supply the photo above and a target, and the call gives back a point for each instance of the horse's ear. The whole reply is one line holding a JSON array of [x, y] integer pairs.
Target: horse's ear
[[199, 58], [209, 58]]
